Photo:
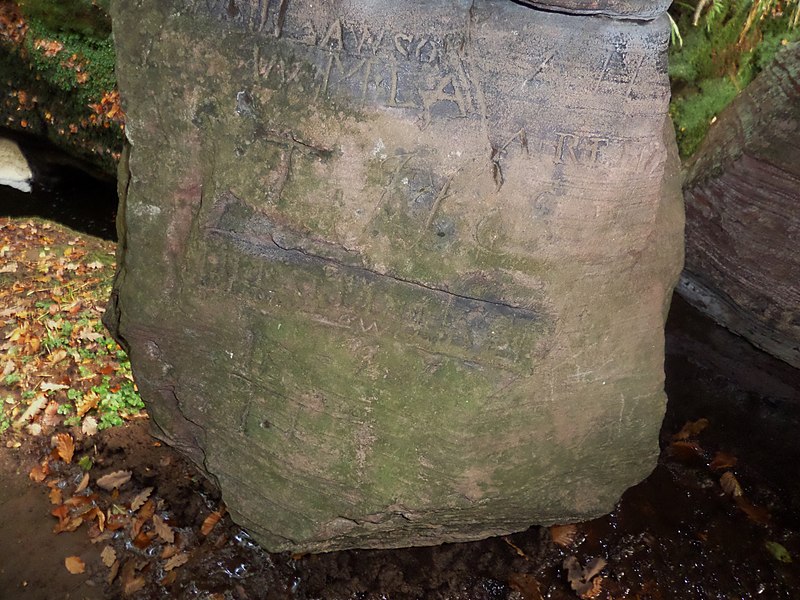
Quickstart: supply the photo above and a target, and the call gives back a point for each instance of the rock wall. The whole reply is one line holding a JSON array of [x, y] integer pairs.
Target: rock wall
[[743, 214], [397, 274]]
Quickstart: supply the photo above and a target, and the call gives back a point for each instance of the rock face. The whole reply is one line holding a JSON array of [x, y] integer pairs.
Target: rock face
[[743, 214], [396, 274], [14, 169]]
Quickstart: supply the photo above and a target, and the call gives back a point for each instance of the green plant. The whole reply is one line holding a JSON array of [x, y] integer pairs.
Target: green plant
[[118, 403], [11, 379], [723, 45]]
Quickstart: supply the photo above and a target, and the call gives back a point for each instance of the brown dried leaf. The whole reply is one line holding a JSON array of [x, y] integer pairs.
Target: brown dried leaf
[[140, 498], [163, 530], [168, 579], [723, 460], [89, 401], [112, 574], [691, 429], [143, 539], [210, 521], [686, 452], [176, 561], [68, 525], [563, 535], [755, 513], [133, 585], [580, 578], [83, 484], [595, 590], [96, 536], [57, 356], [89, 426], [109, 556], [145, 514], [730, 484], [169, 551], [74, 565], [38, 473], [65, 446], [114, 480], [56, 496], [526, 585]]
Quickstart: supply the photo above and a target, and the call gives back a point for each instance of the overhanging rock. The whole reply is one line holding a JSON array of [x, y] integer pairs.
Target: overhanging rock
[[396, 273]]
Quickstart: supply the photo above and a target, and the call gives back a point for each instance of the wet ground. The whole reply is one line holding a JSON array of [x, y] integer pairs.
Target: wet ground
[[719, 518]]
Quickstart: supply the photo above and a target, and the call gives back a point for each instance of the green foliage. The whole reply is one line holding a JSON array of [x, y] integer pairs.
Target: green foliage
[[5, 420], [84, 17], [117, 404], [731, 43], [96, 54], [66, 63], [694, 113]]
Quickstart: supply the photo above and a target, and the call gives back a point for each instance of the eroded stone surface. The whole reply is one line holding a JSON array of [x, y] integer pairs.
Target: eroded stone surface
[[743, 214], [398, 276]]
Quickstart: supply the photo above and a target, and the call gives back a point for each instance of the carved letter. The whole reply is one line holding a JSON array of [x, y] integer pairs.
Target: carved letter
[[398, 39], [333, 36]]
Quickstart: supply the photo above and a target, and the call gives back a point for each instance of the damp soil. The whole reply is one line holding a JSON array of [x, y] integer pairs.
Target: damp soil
[[678, 534]]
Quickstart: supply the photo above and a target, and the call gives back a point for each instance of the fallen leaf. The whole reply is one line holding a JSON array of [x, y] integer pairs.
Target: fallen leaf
[[133, 585], [168, 579], [89, 401], [563, 535], [68, 525], [163, 530], [723, 460], [112, 574], [37, 473], [74, 565], [65, 446], [109, 556], [114, 480], [56, 497], [145, 514], [686, 452], [143, 539], [691, 429], [526, 585], [176, 561], [36, 406], [209, 522], [580, 578], [140, 498], [730, 484], [89, 426], [755, 513], [779, 551], [595, 590], [51, 418], [83, 484], [169, 551], [52, 387], [57, 356]]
